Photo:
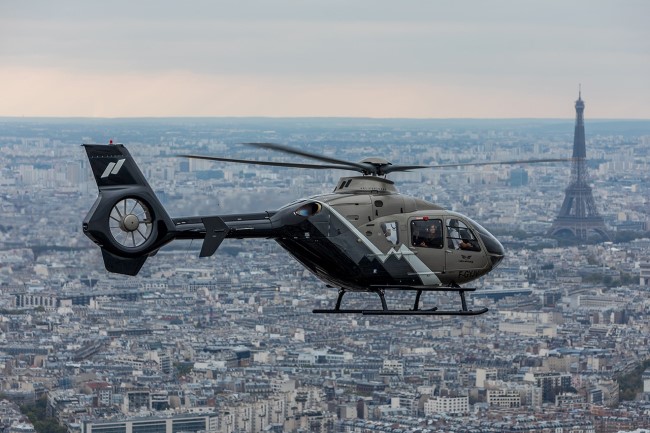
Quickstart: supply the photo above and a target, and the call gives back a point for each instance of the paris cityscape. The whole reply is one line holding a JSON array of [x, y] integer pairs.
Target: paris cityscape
[[230, 344]]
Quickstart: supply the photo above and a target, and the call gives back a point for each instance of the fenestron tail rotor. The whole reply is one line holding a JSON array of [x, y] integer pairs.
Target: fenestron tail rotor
[[127, 220], [130, 222]]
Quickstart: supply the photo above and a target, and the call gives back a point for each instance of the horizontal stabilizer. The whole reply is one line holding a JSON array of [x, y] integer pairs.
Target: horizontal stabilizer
[[215, 232]]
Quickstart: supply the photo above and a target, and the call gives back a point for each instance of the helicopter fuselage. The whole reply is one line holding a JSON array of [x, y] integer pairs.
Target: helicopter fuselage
[[365, 236]]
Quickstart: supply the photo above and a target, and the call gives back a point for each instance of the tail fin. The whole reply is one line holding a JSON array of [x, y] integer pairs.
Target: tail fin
[[113, 165], [127, 221]]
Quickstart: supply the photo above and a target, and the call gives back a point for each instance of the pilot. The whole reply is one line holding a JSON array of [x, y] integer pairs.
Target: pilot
[[465, 244], [453, 235]]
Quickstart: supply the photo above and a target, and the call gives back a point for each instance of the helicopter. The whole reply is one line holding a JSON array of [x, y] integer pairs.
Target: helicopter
[[364, 236]]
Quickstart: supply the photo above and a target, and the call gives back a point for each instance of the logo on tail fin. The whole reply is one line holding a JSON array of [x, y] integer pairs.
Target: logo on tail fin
[[113, 168]]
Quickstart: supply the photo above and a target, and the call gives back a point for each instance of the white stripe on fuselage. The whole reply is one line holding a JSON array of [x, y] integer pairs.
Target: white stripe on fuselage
[[428, 277]]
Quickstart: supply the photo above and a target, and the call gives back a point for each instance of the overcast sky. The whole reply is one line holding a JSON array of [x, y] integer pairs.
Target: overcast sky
[[366, 58]]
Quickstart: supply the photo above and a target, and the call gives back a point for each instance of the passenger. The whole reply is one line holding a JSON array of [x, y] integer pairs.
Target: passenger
[[433, 237], [389, 230], [416, 239]]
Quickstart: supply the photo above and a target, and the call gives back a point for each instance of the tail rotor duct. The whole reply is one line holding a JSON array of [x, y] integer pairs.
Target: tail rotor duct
[[130, 223]]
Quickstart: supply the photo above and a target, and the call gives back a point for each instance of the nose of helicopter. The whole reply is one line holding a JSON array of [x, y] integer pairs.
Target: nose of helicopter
[[496, 259], [492, 245]]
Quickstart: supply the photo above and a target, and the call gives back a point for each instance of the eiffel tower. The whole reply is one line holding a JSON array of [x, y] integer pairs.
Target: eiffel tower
[[578, 215]]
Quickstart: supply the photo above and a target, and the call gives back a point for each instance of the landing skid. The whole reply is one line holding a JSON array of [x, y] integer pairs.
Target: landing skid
[[385, 311]]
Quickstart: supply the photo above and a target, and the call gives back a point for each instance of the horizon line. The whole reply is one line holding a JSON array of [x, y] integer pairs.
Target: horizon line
[[315, 118]]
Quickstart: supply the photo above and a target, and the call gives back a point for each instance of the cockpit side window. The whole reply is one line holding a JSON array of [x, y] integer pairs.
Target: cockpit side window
[[426, 233], [461, 237]]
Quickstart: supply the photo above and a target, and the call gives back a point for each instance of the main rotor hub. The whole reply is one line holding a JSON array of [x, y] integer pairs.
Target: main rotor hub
[[376, 161], [376, 164]]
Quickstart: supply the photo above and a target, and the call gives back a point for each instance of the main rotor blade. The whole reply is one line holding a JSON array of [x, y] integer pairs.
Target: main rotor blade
[[519, 161], [290, 150], [271, 163], [391, 168]]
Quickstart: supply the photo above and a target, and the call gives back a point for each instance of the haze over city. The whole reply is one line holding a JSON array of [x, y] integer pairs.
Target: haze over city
[[229, 343], [365, 58]]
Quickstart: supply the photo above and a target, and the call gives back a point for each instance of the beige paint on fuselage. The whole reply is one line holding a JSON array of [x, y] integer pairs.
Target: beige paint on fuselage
[[367, 203]]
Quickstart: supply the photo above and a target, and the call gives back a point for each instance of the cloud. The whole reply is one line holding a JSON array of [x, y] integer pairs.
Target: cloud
[[366, 58]]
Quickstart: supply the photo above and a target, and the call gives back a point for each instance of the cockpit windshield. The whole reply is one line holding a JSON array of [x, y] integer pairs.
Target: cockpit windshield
[[491, 243]]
